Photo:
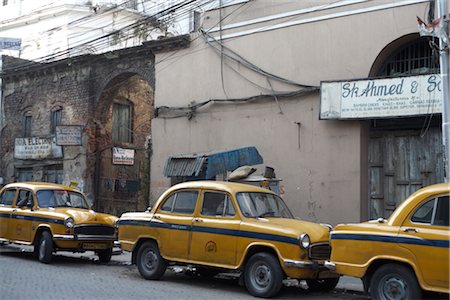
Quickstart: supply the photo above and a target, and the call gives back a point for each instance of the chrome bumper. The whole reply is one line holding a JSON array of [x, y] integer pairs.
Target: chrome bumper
[[82, 237], [301, 264], [330, 265], [309, 264]]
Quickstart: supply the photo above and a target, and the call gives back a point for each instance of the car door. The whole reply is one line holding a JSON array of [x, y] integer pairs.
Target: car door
[[425, 232], [215, 230], [22, 216], [6, 201], [173, 223]]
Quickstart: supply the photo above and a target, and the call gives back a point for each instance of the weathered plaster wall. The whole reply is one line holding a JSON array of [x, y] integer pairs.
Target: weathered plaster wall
[[322, 163]]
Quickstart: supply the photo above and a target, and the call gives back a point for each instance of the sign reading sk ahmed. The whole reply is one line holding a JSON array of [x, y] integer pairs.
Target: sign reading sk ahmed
[[379, 98]]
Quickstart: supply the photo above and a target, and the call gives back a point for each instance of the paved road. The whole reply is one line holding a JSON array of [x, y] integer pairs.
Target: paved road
[[81, 276]]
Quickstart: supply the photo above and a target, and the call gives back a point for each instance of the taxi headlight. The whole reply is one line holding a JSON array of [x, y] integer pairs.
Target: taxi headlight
[[69, 223], [304, 241]]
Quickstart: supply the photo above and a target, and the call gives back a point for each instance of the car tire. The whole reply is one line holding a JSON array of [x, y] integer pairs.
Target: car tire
[[394, 281], [104, 256], [150, 263], [44, 248], [322, 285], [263, 276]]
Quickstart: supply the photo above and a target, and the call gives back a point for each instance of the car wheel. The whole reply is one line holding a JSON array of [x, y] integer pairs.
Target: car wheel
[[394, 281], [104, 256], [150, 263], [263, 276], [45, 248], [322, 285]]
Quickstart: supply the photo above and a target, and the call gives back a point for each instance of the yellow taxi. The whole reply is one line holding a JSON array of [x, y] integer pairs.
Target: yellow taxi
[[216, 226], [399, 257], [54, 217]]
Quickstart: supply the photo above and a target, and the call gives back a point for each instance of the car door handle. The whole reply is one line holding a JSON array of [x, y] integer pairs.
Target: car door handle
[[157, 217], [198, 220], [410, 230]]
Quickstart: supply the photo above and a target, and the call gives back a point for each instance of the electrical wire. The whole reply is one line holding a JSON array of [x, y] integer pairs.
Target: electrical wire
[[99, 41], [238, 58]]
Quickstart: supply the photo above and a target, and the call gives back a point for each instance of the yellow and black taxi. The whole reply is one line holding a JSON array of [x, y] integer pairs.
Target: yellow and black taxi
[[399, 257], [216, 225], [54, 217]]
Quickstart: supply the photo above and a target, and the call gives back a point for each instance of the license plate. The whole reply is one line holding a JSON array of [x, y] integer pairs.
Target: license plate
[[94, 246]]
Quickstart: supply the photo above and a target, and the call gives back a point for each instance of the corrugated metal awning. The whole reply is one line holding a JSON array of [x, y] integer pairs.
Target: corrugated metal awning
[[215, 162]]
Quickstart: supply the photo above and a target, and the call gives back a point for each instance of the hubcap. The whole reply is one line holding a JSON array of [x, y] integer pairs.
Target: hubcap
[[150, 260], [262, 275], [394, 288]]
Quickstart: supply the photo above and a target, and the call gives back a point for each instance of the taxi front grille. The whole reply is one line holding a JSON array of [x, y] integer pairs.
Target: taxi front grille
[[320, 251], [94, 230]]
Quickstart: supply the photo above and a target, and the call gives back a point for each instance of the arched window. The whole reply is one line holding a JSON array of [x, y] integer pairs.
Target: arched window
[[55, 118], [26, 124], [416, 57], [122, 121]]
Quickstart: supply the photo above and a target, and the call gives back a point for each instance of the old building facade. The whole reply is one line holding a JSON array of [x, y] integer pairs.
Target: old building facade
[[252, 76], [83, 121]]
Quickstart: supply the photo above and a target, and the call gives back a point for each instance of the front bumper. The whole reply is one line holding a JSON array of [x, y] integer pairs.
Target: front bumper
[[83, 237], [301, 264], [330, 265], [313, 265]]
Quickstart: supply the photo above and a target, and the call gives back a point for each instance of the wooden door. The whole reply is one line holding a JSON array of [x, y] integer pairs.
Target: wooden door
[[401, 162]]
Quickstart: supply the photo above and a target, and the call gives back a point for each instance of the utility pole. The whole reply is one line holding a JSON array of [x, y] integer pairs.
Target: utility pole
[[443, 60]]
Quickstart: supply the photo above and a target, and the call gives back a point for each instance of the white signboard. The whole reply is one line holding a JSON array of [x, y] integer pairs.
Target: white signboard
[[123, 156], [36, 148], [380, 98], [10, 43], [68, 135]]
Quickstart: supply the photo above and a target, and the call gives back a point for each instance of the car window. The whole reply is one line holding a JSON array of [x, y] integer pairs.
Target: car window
[[60, 198], [168, 203], [7, 197], [256, 205], [25, 198], [442, 212], [424, 213], [185, 202], [217, 204]]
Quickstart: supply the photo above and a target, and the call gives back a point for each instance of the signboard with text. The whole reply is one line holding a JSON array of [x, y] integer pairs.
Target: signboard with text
[[10, 43], [36, 148], [123, 156], [68, 135], [381, 98]]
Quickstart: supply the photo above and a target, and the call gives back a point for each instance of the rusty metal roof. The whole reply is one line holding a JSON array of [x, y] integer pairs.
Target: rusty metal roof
[[212, 163]]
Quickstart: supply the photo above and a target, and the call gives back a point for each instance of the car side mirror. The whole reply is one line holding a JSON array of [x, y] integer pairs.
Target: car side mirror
[[148, 209]]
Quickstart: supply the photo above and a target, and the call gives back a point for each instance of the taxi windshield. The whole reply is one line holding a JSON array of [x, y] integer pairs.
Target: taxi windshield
[[262, 205], [60, 198]]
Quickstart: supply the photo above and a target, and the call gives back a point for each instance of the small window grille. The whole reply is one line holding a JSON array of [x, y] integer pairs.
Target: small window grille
[[414, 58]]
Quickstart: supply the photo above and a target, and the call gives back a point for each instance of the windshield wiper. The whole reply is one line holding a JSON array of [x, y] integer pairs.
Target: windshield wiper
[[267, 214]]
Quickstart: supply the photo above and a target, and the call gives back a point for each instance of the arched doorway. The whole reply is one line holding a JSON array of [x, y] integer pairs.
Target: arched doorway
[[124, 112], [404, 154]]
